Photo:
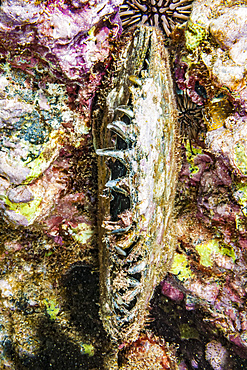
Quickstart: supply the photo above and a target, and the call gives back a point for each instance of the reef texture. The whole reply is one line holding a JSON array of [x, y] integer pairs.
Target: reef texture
[[148, 353], [53, 55], [209, 266]]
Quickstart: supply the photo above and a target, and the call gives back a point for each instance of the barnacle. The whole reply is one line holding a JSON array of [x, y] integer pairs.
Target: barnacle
[[135, 134], [165, 14]]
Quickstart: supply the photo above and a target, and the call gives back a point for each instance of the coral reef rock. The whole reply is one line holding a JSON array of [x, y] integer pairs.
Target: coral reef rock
[[53, 56]]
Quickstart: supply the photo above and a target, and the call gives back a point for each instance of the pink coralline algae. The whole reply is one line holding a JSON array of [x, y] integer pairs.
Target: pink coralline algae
[[171, 291], [53, 55], [72, 40], [209, 263], [188, 82], [218, 356]]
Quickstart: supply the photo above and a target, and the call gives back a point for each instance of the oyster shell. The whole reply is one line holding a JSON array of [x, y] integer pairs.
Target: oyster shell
[[135, 124]]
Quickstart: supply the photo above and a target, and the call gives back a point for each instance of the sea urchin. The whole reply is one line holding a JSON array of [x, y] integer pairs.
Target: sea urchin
[[190, 116], [165, 14]]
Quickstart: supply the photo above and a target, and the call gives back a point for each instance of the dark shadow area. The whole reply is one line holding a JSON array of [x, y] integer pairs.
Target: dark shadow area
[[57, 350], [58, 353], [81, 285], [189, 333]]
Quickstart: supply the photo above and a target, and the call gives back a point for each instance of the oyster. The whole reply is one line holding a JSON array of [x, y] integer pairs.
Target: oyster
[[135, 131]]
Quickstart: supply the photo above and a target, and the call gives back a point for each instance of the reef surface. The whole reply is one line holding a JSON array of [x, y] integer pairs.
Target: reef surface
[[53, 57]]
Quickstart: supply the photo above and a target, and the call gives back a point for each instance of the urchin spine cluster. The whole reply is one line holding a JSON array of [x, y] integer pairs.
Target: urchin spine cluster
[[165, 14], [190, 116]]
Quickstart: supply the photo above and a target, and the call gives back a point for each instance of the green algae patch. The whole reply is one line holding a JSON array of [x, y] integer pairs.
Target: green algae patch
[[28, 210], [194, 35], [81, 233], [87, 349], [240, 157], [209, 250], [228, 251], [52, 308], [49, 253], [190, 155], [188, 332], [241, 197], [180, 267]]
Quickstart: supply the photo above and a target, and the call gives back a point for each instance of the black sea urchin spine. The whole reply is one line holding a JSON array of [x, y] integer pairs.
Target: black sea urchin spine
[[163, 14]]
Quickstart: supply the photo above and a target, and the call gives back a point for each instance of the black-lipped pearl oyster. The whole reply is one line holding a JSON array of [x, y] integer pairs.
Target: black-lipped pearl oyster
[[135, 134]]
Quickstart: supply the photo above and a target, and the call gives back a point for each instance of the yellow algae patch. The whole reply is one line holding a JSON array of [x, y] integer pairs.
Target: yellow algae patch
[[194, 35], [181, 267], [48, 155], [216, 112], [208, 251]]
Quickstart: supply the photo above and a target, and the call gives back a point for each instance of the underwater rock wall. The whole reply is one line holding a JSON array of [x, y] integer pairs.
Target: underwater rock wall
[[209, 267], [53, 56]]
